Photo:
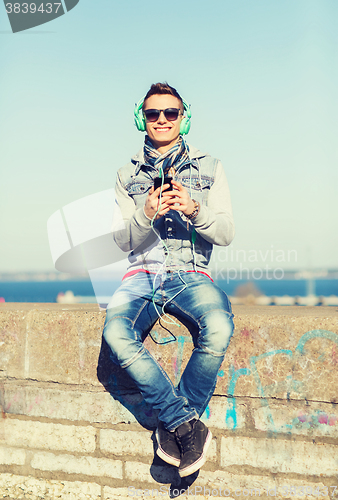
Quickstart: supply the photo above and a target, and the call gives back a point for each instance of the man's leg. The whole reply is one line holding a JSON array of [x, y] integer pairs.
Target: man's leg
[[130, 316], [208, 309]]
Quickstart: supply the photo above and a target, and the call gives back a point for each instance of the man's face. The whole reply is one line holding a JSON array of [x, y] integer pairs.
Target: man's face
[[163, 133]]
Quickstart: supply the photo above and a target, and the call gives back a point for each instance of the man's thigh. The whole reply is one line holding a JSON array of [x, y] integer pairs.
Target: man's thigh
[[207, 307], [130, 316]]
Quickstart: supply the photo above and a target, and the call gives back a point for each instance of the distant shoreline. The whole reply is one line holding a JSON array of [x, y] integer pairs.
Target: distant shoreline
[[48, 290], [48, 276]]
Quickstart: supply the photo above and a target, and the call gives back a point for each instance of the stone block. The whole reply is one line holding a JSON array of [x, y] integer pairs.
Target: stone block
[[296, 417], [126, 442], [279, 455], [287, 353], [211, 484], [257, 485], [154, 492], [12, 397], [48, 436], [116, 493], [90, 466], [139, 472], [12, 456], [12, 343], [284, 353], [57, 350], [89, 327], [23, 487], [66, 402], [225, 413]]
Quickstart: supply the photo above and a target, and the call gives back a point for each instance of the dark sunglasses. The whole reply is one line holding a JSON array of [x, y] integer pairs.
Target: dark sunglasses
[[152, 115]]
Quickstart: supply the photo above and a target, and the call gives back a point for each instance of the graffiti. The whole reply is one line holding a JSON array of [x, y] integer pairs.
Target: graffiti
[[37, 401], [231, 413], [289, 383], [315, 420], [312, 334], [267, 380], [296, 385]]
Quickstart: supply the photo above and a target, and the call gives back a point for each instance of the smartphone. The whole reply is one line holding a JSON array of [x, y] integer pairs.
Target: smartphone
[[158, 182]]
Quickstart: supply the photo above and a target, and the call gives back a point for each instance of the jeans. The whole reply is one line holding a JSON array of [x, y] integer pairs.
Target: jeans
[[189, 296]]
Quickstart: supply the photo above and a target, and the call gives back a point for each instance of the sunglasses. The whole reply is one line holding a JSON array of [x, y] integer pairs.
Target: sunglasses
[[152, 115]]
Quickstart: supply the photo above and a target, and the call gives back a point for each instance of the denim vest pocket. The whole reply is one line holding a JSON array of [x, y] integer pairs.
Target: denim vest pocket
[[197, 187], [139, 191]]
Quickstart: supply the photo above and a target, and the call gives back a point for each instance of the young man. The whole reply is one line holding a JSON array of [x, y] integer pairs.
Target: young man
[[169, 232]]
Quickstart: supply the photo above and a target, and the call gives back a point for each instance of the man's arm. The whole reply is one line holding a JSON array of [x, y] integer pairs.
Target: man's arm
[[215, 222], [130, 225]]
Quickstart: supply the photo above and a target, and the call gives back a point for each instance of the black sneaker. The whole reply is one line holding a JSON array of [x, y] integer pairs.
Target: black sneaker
[[167, 446], [193, 438]]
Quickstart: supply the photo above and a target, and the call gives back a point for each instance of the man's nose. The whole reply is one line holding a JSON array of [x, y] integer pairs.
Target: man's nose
[[162, 118]]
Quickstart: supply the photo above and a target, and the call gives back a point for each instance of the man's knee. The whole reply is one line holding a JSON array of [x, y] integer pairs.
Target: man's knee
[[216, 332], [119, 334]]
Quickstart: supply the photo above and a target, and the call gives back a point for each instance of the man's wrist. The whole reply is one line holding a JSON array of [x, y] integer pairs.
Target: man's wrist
[[144, 212], [190, 208], [195, 210]]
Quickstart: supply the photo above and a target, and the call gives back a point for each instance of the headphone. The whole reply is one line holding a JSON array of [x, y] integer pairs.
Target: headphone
[[141, 124]]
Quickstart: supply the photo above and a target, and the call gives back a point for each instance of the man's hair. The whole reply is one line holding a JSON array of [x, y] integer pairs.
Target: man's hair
[[163, 88]]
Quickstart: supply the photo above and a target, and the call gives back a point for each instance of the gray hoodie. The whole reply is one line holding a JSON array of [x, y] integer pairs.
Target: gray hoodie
[[174, 243]]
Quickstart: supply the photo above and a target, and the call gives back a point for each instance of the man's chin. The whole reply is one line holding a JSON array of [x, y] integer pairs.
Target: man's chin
[[164, 141]]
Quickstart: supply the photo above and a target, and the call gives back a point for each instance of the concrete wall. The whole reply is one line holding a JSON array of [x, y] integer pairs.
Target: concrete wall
[[74, 427]]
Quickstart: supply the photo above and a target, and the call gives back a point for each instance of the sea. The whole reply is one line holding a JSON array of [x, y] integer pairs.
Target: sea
[[47, 291]]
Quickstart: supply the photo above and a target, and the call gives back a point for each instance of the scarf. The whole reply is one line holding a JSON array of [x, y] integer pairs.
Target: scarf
[[170, 161]]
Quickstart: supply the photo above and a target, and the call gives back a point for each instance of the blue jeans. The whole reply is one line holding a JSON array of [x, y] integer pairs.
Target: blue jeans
[[195, 299]]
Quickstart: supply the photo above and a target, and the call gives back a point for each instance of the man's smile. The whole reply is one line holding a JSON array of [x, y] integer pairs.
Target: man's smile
[[162, 129]]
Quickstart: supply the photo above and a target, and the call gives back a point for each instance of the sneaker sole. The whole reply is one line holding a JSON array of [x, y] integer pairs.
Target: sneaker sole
[[200, 462], [162, 454]]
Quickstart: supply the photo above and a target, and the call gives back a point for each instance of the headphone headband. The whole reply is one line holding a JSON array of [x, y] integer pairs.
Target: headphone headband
[[141, 124]]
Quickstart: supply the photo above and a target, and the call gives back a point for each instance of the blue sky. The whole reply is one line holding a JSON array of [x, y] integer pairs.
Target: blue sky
[[261, 78]]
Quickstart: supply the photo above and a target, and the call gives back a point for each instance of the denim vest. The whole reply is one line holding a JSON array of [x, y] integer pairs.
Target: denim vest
[[174, 229]]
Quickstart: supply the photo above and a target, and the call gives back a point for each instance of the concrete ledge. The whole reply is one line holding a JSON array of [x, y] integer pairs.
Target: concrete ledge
[[280, 352], [73, 426]]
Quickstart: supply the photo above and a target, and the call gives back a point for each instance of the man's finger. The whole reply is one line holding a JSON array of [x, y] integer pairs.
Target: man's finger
[[158, 190], [172, 201], [177, 184], [173, 192]]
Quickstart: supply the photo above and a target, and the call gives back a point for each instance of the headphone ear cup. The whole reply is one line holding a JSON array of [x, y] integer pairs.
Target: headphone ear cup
[[138, 117], [185, 125], [140, 122], [185, 122]]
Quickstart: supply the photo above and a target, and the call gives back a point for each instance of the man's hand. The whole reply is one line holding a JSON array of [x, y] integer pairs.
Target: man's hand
[[181, 196], [154, 202]]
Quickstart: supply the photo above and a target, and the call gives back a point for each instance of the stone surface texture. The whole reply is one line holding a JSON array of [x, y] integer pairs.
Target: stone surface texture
[[73, 425]]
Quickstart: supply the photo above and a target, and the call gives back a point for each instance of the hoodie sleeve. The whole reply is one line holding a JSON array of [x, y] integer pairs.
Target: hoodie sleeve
[[214, 221], [130, 225]]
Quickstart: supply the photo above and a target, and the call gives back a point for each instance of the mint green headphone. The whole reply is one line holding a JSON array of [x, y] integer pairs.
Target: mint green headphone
[[141, 124]]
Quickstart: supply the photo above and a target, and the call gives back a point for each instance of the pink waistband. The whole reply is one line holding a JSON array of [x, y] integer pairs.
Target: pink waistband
[[136, 271]]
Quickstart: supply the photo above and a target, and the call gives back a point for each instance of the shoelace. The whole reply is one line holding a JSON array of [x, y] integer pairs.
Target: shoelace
[[187, 441]]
